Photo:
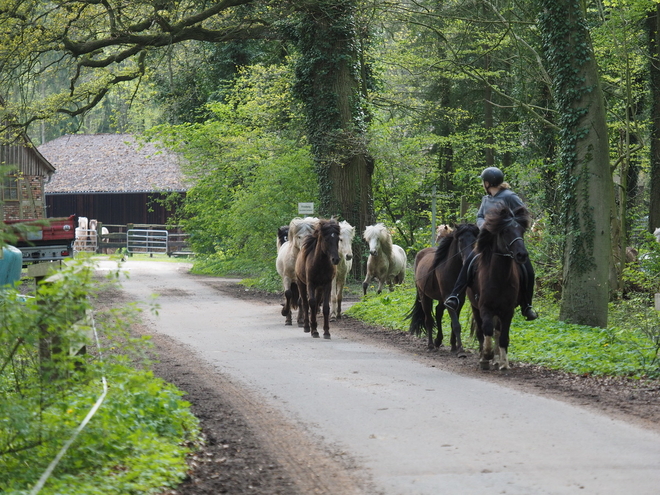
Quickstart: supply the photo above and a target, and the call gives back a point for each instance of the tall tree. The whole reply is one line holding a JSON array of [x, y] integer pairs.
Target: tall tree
[[653, 23], [106, 43], [586, 179], [328, 83]]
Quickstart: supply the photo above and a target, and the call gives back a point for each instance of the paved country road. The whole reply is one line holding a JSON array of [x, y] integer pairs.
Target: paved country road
[[349, 416]]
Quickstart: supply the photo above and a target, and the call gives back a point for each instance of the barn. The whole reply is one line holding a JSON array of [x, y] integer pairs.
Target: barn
[[112, 178], [24, 173]]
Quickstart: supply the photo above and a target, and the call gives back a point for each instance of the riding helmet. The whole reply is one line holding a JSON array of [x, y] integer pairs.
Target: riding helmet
[[493, 176]]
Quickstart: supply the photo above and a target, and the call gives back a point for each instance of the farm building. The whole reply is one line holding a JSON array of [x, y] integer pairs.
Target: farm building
[[111, 178], [25, 171]]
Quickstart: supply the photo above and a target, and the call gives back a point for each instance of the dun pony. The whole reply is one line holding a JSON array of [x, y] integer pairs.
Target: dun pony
[[346, 235], [299, 229], [386, 262]]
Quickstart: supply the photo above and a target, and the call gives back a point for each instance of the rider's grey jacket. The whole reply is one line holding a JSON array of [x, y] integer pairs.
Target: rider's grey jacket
[[506, 196]]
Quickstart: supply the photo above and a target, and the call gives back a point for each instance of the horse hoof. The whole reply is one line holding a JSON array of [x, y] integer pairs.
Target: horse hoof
[[326, 336], [462, 355], [432, 348], [307, 330], [485, 365], [315, 335], [288, 324]]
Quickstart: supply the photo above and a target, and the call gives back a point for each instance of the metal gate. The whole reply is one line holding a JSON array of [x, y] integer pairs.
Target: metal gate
[[146, 241]]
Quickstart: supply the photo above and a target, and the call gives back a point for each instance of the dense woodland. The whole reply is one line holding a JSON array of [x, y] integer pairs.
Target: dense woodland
[[373, 110]]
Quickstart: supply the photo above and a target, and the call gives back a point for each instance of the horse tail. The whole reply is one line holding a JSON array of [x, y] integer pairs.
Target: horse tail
[[417, 318], [295, 295]]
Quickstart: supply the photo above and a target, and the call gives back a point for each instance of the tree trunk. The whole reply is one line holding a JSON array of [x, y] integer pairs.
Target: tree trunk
[[328, 83], [653, 23], [587, 187]]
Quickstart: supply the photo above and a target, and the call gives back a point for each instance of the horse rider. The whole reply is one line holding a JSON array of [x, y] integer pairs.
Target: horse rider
[[497, 191]]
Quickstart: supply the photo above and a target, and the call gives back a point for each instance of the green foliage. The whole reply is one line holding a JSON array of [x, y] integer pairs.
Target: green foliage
[[250, 167], [630, 346], [138, 439]]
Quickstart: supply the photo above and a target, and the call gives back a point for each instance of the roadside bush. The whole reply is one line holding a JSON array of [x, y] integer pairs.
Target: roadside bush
[[138, 439]]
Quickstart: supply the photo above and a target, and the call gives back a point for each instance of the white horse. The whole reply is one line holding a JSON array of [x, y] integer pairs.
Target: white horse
[[299, 229], [386, 262], [346, 235], [656, 233]]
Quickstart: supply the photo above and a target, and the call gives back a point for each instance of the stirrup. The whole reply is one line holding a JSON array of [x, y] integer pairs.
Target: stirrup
[[452, 303]]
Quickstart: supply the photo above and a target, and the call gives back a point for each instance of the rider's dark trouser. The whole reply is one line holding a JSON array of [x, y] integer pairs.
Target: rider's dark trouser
[[527, 277]]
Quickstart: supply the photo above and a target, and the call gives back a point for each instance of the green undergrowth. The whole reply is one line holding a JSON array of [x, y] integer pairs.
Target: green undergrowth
[[628, 347], [138, 440]]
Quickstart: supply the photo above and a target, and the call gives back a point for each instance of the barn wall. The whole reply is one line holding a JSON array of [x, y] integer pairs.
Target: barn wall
[[30, 202], [25, 160], [115, 209]]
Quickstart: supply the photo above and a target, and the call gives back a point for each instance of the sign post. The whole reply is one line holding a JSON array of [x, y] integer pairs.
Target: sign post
[[305, 208]]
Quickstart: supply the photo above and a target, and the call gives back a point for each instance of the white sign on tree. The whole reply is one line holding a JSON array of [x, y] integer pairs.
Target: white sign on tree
[[305, 208]]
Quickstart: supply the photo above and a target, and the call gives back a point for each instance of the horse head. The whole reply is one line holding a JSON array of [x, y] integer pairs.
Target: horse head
[[503, 232], [327, 233], [346, 235], [300, 228], [378, 238]]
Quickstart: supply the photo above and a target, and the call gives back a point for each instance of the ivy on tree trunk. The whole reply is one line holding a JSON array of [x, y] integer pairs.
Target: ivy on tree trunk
[[328, 83], [586, 182]]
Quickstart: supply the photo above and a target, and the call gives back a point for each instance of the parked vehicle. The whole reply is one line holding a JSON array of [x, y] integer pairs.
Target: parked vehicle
[[48, 239]]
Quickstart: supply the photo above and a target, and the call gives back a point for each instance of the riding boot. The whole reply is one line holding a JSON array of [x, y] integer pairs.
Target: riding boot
[[453, 301], [527, 291]]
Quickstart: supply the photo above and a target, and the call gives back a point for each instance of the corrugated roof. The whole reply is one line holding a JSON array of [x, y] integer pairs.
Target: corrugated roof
[[110, 163]]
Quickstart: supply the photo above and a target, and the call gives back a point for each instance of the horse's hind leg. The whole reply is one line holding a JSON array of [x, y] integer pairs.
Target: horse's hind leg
[[427, 307]]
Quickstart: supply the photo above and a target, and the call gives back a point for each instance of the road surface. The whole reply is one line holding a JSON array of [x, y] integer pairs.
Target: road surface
[[407, 428]]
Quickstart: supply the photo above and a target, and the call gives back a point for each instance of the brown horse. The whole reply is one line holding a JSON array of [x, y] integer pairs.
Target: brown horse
[[436, 271], [500, 252], [315, 268]]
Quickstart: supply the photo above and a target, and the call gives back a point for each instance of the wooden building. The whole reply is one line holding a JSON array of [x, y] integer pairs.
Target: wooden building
[[112, 178], [24, 172]]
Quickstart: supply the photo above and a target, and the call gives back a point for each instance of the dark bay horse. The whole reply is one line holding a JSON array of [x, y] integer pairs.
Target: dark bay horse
[[315, 268], [496, 284], [436, 271]]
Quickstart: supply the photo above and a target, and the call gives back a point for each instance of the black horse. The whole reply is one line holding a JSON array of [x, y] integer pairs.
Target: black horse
[[436, 271], [495, 290]]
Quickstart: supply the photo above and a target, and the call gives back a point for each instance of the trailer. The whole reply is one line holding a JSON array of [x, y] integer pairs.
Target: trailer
[[48, 239]]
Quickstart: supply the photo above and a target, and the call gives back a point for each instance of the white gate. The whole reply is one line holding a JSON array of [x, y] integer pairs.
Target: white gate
[[146, 241]]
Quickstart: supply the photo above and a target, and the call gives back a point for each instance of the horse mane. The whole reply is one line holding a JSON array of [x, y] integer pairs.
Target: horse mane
[[442, 251], [380, 231], [323, 227], [497, 219], [348, 228]]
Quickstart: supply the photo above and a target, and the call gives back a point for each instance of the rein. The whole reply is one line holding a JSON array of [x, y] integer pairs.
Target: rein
[[508, 247]]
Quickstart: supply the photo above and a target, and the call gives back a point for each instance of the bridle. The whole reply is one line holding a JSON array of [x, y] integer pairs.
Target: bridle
[[509, 254]]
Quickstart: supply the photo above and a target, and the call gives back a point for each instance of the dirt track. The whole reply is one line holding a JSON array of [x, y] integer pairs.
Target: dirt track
[[243, 456]]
